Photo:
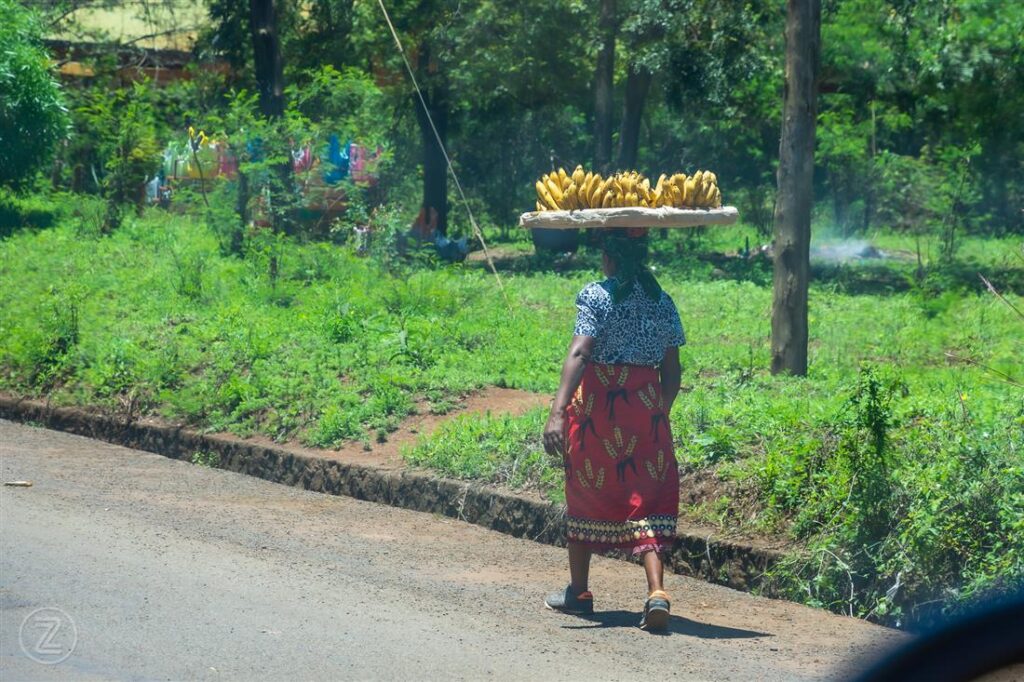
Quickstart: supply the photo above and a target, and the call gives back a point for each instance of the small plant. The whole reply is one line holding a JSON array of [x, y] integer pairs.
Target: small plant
[[190, 268], [61, 336], [865, 447], [336, 425], [210, 460]]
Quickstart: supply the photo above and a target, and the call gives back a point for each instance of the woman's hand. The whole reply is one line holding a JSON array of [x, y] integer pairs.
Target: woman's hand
[[580, 351], [554, 435]]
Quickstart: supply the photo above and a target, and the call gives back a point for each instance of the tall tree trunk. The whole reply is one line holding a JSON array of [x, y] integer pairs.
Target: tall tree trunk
[[603, 86], [638, 84], [266, 50], [435, 168], [795, 195]]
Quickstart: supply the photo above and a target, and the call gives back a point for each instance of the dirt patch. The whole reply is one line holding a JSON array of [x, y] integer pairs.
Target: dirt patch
[[501, 254]]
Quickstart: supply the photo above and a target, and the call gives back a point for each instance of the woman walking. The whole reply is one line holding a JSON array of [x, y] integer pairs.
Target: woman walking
[[610, 423]]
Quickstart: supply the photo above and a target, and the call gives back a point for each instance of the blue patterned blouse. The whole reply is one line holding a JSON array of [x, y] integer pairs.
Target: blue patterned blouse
[[635, 331]]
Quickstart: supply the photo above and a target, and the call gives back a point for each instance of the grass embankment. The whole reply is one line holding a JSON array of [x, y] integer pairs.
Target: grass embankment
[[896, 466]]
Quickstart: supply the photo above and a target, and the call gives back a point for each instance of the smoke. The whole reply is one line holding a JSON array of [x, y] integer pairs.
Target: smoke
[[854, 249]]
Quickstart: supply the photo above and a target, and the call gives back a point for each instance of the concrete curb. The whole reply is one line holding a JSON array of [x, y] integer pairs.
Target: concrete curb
[[735, 565]]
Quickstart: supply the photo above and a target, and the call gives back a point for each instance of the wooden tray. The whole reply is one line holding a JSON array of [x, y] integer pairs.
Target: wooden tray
[[632, 216]]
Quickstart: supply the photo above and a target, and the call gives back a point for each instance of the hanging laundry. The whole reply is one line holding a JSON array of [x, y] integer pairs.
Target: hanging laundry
[[361, 164], [302, 159], [336, 163]]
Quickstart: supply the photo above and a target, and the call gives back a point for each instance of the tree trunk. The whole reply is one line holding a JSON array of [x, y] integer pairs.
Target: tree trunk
[[435, 168], [266, 50], [795, 195], [638, 84], [603, 87], [237, 243], [837, 183]]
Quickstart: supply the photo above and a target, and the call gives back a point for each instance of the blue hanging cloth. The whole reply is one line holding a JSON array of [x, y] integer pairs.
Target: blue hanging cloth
[[451, 250], [336, 161]]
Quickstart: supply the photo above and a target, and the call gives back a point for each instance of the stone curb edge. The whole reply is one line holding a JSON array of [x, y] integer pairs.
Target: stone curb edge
[[728, 563]]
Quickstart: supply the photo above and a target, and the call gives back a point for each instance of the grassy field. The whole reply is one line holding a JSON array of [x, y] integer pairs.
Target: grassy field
[[895, 469]]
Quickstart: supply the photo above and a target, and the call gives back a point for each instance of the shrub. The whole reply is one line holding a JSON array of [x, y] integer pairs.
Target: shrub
[[335, 426], [29, 211], [125, 125], [32, 113]]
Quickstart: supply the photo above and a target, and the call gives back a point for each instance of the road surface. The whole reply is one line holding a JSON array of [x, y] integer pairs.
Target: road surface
[[129, 565]]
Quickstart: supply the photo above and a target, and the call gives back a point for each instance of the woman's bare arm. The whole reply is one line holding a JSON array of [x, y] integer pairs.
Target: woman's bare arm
[[576, 361], [671, 376]]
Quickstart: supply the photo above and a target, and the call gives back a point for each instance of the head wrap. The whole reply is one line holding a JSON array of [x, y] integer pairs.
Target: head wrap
[[629, 253]]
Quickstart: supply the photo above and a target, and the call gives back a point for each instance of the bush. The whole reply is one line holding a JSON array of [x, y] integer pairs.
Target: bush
[[32, 114], [31, 211], [123, 124]]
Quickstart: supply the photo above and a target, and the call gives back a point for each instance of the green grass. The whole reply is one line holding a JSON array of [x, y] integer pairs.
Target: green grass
[[334, 348], [499, 449], [339, 348]]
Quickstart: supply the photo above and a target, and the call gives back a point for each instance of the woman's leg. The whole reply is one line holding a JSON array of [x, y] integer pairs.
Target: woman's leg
[[657, 607], [579, 567], [655, 569]]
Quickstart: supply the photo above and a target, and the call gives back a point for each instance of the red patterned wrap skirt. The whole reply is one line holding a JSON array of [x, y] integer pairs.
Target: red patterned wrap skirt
[[621, 477]]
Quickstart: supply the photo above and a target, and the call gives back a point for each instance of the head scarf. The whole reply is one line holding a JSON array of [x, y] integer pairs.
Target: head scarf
[[630, 256]]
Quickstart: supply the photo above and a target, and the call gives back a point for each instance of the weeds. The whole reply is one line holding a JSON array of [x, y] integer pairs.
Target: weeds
[[492, 448], [901, 482], [211, 460]]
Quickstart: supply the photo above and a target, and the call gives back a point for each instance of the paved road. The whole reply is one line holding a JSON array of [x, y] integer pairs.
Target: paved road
[[174, 571]]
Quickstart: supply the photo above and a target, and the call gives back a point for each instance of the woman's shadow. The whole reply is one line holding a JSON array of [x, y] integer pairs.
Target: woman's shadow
[[677, 626]]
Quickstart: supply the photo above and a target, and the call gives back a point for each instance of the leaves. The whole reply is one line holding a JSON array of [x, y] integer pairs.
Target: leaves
[[33, 117]]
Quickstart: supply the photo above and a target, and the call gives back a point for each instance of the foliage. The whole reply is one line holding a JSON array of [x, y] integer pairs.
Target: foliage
[[121, 127], [492, 448], [913, 80], [33, 118], [895, 467], [266, 191], [206, 459], [901, 479], [918, 127], [345, 102], [25, 211]]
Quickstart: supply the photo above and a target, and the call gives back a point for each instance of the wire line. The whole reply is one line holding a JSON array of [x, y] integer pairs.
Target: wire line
[[458, 185]]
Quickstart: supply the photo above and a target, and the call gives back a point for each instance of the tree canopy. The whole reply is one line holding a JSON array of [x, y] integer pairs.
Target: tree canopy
[[919, 123], [32, 113]]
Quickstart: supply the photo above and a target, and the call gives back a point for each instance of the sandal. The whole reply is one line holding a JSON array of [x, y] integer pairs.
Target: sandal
[[657, 610], [568, 601]]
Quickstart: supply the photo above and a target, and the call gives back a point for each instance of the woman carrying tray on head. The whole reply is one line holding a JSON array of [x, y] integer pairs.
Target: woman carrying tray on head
[[610, 422]]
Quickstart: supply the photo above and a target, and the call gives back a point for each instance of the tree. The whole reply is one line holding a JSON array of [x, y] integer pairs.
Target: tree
[[269, 71], [529, 100], [433, 117], [642, 31], [266, 49], [604, 75], [795, 193], [430, 33], [33, 118]]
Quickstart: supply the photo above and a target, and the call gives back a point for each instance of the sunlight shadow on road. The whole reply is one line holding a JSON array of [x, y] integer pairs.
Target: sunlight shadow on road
[[677, 626]]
